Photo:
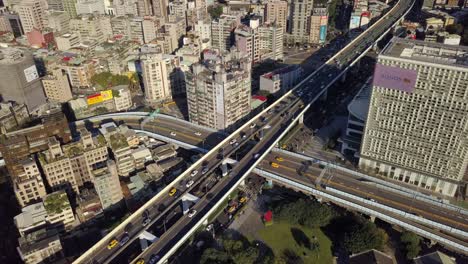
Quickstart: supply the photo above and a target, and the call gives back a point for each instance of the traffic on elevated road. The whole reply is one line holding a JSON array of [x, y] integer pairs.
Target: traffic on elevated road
[[266, 128]]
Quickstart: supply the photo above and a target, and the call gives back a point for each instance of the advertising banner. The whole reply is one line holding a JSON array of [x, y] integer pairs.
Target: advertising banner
[[94, 99], [106, 95], [395, 78], [355, 22], [323, 33]]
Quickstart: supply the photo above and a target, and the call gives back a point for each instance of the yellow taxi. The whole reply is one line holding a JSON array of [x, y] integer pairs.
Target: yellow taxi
[[172, 192], [140, 261], [231, 209], [112, 244], [278, 158], [274, 165], [243, 199]]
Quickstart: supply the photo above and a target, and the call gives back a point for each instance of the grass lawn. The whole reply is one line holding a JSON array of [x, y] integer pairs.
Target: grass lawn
[[279, 237]]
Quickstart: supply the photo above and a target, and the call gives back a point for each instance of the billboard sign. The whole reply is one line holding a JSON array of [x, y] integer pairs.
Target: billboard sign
[[395, 78], [31, 74], [323, 34], [94, 99], [355, 22], [106, 95]]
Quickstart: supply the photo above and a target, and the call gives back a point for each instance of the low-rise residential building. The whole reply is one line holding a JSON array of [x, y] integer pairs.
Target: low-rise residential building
[[123, 98], [80, 71], [67, 41], [141, 156], [122, 154], [281, 80], [42, 246], [107, 185], [31, 218], [71, 165], [29, 186], [89, 205], [59, 211]]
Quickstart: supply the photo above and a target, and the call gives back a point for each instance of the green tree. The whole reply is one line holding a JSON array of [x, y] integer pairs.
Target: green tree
[[305, 212], [215, 11], [214, 256], [232, 246], [249, 255], [364, 236], [411, 242]]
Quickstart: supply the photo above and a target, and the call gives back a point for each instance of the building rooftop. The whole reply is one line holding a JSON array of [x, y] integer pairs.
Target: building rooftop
[[56, 202], [434, 258], [31, 215], [359, 106], [37, 240], [118, 141], [431, 52], [370, 257]]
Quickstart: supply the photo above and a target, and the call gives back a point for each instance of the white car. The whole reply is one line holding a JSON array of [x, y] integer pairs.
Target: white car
[[252, 125], [146, 221], [232, 142], [256, 156], [190, 183], [194, 172], [173, 134], [197, 133], [267, 127], [191, 213]]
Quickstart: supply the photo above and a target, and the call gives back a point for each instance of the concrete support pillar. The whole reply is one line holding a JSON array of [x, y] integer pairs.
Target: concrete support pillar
[[432, 243], [323, 97], [301, 119], [343, 77], [205, 222], [372, 218]]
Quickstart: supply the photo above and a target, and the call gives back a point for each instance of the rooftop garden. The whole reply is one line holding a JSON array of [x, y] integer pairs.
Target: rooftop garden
[[56, 203], [118, 141]]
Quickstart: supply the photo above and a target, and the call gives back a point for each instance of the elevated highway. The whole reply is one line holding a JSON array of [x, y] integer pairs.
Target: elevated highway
[[273, 123]]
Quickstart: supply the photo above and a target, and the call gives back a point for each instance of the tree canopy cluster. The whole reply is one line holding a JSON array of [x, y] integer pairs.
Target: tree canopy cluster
[[304, 212], [411, 242], [234, 251], [215, 11], [107, 79]]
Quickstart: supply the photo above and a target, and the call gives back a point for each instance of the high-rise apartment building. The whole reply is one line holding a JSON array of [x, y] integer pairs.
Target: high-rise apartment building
[[32, 14], [270, 42], [263, 42], [69, 6], [28, 185], [417, 123], [58, 21], [56, 86], [299, 20], [276, 11], [218, 89], [222, 31], [159, 8], [107, 185], [156, 80], [41, 246], [55, 5], [88, 28], [20, 79], [90, 7], [125, 7]]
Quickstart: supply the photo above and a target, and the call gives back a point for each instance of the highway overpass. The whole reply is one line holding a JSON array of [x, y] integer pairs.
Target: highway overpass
[[273, 123]]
